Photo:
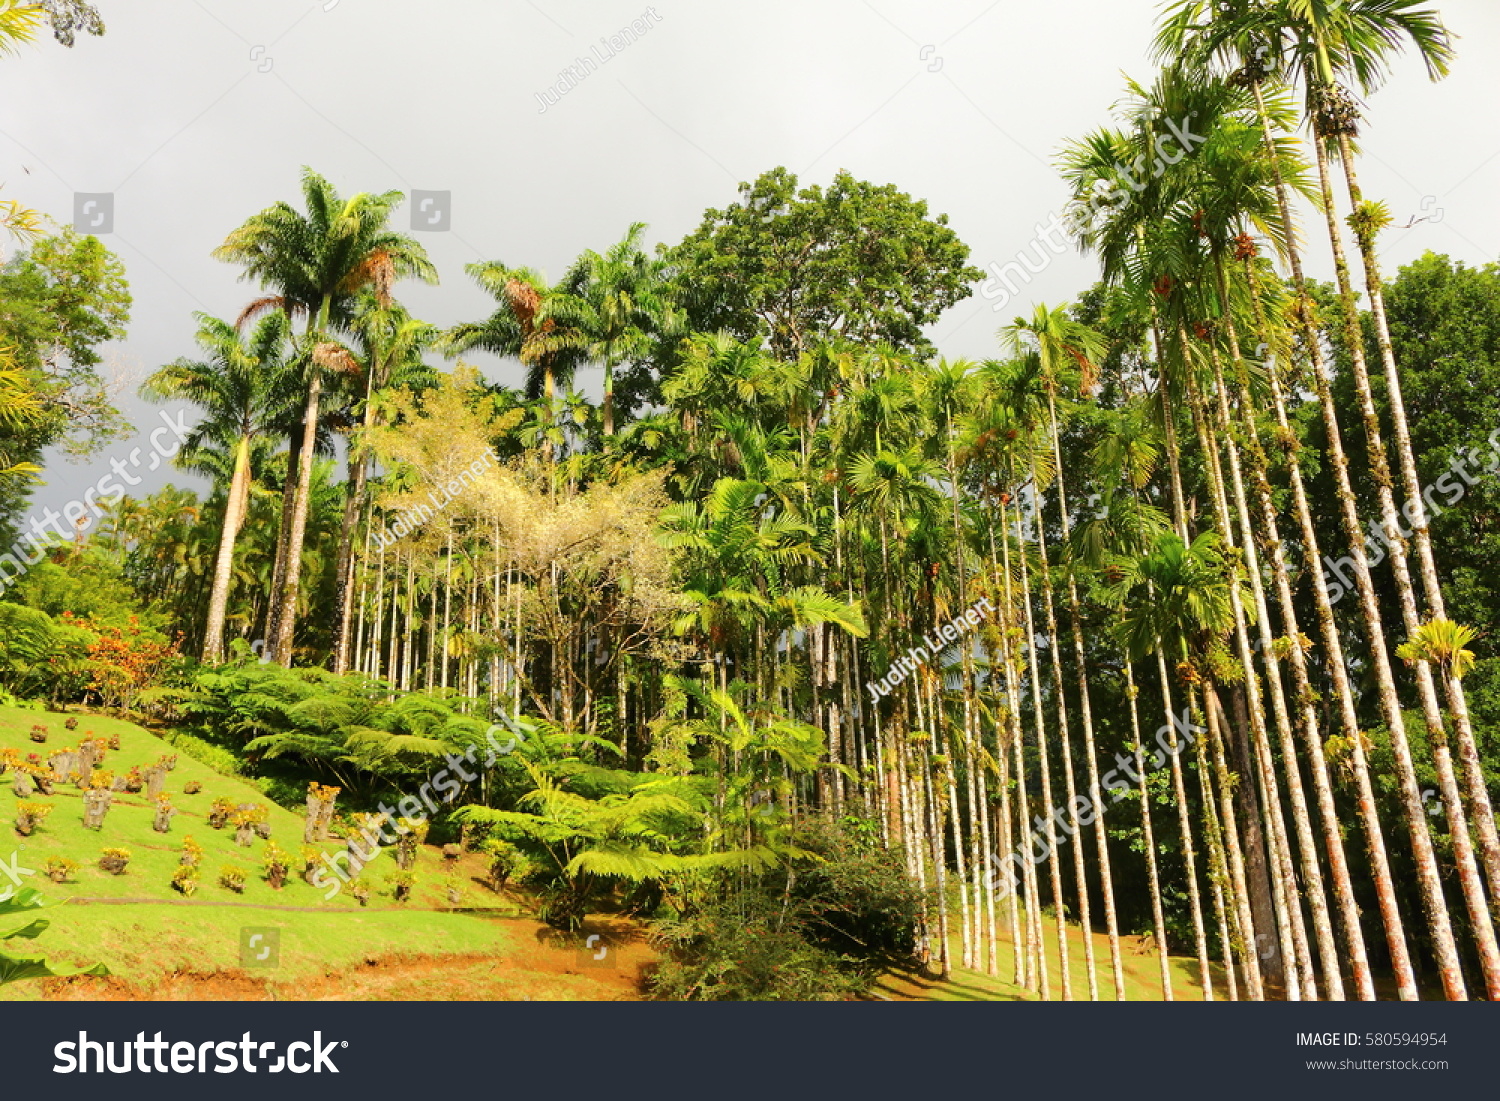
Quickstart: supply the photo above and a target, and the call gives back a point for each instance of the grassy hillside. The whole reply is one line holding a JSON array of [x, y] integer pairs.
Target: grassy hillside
[[157, 942]]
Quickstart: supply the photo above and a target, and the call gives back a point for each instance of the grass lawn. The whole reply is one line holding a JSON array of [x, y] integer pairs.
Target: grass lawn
[[1142, 973], [158, 944]]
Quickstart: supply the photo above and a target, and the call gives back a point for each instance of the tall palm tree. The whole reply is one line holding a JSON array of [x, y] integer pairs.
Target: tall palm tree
[[389, 344], [1249, 37], [1321, 44], [620, 307], [1339, 44], [1069, 354], [315, 262], [239, 385], [535, 321]]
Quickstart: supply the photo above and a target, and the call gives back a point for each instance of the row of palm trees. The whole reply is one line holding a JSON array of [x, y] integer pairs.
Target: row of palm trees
[[1132, 496]]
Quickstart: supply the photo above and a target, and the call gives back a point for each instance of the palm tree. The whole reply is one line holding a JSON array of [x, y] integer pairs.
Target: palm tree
[[238, 384], [1243, 35], [19, 21], [621, 307], [1319, 42], [389, 347], [1068, 353], [316, 262], [537, 323]]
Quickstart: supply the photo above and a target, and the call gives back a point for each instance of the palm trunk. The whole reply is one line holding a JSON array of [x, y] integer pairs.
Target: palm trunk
[[1385, 891], [1153, 877], [291, 583], [235, 501], [1429, 879], [354, 507], [1070, 786], [1314, 891], [1059, 901], [1086, 710], [1416, 513]]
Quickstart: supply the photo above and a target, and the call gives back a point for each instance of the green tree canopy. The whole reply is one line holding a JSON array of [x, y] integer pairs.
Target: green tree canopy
[[858, 261]]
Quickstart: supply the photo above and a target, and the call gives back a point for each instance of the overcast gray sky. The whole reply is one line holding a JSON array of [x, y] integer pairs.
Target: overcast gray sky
[[195, 114]]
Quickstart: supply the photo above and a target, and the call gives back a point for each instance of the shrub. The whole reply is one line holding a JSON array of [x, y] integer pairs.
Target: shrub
[[219, 812], [823, 929], [60, 869], [114, 861], [102, 780], [114, 742], [361, 891], [215, 757], [71, 722], [185, 880], [39, 734], [233, 878], [192, 852], [310, 857], [401, 884], [504, 860], [30, 815], [192, 787], [740, 947], [276, 862]]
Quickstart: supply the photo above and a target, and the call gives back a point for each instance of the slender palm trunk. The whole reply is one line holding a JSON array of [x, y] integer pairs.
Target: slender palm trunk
[[1148, 837], [1429, 879], [1337, 666], [235, 501], [291, 583], [1314, 890], [1059, 901], [1086, 710], [1416, 513]]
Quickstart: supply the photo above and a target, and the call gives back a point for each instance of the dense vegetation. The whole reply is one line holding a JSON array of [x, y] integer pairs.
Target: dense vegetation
[[819, 651]]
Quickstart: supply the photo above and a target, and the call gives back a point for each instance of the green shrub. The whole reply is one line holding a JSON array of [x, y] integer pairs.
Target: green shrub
[[741, 947], [825, 928], [215, 757], [232, 878], [60, 869]]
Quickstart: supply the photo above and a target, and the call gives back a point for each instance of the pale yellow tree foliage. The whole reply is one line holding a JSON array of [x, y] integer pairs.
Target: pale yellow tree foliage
[[584, 567]]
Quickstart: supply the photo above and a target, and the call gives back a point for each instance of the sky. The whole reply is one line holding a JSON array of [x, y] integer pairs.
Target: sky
[[195, 114]]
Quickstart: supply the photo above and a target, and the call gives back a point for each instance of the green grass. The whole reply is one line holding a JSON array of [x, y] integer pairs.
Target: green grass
[[155, 856], [159, 934], [1141, 969]]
